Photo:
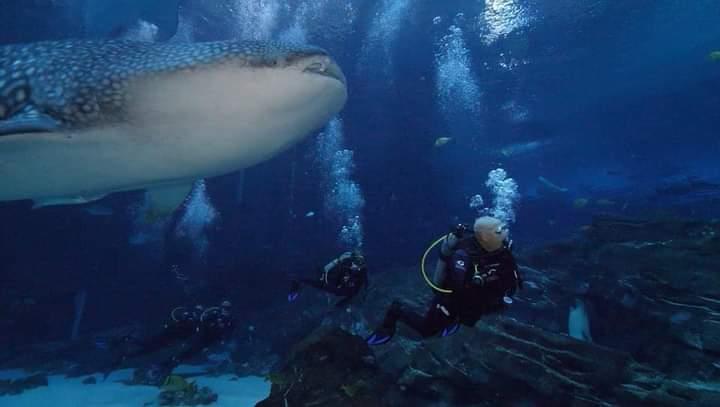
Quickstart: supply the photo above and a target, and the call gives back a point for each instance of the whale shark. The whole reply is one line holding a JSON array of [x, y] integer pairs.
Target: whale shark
[[81, 119]]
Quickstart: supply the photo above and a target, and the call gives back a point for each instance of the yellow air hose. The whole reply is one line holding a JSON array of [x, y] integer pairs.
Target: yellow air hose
[[172, 313], [422, 268]]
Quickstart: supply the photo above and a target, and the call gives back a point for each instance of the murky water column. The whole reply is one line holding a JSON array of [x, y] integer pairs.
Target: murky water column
[[199, 214], [146, 231], [256, 19], [377, 50], [458, 93], [500, 18], [320, 20], [457, 96], [297, 32], [142, 31], [343, 199]]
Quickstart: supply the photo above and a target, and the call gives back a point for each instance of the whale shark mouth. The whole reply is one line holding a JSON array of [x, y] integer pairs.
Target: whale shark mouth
[[329, 69]]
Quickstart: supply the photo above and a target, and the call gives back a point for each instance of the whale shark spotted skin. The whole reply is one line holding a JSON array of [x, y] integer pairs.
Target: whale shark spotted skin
[[82, 119]]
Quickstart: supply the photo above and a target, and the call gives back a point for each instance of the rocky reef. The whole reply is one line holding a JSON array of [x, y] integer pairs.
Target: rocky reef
[[646, 292], [17, 386], [177, 391], [625, 313], [329, 368]]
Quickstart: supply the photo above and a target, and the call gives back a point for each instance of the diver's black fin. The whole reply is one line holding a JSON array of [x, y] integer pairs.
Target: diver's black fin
[[28, 120], [380, 336]]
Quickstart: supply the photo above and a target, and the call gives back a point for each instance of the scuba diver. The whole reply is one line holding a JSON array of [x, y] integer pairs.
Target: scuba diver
[[477, 275], [195, 329], [344, 276]]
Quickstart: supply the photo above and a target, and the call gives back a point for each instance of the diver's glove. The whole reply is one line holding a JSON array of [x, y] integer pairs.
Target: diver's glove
[[448, 245]]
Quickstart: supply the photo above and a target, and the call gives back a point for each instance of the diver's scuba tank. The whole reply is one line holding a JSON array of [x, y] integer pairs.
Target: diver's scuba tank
[[460, 231], [480, 275]]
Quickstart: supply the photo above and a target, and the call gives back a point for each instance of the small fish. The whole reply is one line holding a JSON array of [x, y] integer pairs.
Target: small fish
[[175, 269], [310, 214], [98, 210], [522, 148], [580, 203], [175, 383], [551, 185], [441, 141], [714, 56], [680, 317], [101, 344]]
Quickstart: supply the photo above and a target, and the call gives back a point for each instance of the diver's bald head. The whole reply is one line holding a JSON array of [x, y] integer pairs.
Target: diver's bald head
[[490, 232]]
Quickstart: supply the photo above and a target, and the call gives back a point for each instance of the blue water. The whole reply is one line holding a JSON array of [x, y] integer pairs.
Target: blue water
[[605, 101]]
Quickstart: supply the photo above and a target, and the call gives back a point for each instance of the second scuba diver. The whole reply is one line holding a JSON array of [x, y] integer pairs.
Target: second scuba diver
[[344, 276], [477, 275], [194, 329]]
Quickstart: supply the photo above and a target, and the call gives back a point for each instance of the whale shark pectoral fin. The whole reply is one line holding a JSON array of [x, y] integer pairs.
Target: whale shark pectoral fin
[[165, 199], [28, 120], [66, 200]]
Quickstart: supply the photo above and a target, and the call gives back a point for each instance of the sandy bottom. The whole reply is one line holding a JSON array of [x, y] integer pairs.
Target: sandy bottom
[[71, 392]]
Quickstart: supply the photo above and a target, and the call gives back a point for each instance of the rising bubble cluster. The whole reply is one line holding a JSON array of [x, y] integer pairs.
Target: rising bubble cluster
[[343, 197], [195, 222]]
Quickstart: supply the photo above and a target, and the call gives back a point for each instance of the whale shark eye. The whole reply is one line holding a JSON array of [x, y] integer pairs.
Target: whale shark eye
[[316, 67]]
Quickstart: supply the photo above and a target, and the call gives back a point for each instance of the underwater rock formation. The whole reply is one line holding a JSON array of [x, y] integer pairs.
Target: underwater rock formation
[[648, 287], [650, 294], [655, 283], [501, 363], [176, 391], [329, 368], [17, 386]]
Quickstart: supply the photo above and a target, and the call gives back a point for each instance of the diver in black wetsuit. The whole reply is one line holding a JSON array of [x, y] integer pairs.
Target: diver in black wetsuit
[[194, 328], [479, 270], [344, 276]]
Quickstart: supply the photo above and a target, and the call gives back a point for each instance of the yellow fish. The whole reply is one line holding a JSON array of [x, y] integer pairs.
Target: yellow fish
[[441, 141], [175, 383]]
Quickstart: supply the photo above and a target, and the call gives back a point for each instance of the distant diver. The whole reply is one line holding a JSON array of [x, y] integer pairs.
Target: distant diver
[[344, 276], [475, 275], [192, 329]]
